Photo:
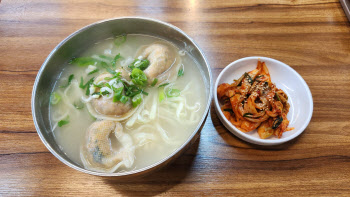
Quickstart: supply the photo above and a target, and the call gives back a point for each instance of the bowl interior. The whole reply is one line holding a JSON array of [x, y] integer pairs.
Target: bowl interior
[[74, 44], [285, 78]]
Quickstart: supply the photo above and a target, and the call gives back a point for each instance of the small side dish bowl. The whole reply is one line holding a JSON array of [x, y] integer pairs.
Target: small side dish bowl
[[285, 78]]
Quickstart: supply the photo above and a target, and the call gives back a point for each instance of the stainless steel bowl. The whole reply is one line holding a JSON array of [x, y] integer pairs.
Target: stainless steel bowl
[[77, 42]]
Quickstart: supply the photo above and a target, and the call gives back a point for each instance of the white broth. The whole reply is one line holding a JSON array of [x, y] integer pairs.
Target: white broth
[[159, 125]]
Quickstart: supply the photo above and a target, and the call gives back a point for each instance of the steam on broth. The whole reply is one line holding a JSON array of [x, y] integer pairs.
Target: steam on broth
[[126, 103]]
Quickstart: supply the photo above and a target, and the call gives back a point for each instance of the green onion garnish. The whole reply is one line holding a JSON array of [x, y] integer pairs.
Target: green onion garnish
[[115, 60], [155, 80], [105, 66], [92, 72], [70, 78], [136, 100], [165, 84], [138, 77], [180, 73], [131, 90], [161, 95], [54, 98], [108, 86], [145, 93], [110, 78], [83, 61], [173, 92], [63, 122], [104, 92], [120, 40], [98, 85], [124, 99], [95, 93], [82, 86], [117, 94], [140, 64]]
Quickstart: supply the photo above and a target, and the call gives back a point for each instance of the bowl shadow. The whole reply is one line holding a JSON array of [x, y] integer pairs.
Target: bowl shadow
[[158, 181]]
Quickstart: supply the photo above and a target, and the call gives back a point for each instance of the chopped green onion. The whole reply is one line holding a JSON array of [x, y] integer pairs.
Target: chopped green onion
[[115, 60], [104, 92], [161, 95], [180, 73], [92, 72], [155, 80], [105, 66], [143, 64], [98, 86], [90, 82], [136, 100], [145, 93], [124, 99], [120, 40], [110, 78], [96, 93], [83, 61], [108, 86], [120, 89], [70, 78], [117, 94], [164, 84], [134, 93], [140, 64], [116, 98], [131, 90], [79, 105], [82, 86], [63, 122], [87, 92], [54, 98], [173, 92], [138, 77]]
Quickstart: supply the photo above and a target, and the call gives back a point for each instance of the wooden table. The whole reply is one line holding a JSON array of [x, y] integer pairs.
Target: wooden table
[[312, 36]]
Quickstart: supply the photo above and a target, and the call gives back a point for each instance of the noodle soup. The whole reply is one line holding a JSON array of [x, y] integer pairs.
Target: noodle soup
[[126, 103]]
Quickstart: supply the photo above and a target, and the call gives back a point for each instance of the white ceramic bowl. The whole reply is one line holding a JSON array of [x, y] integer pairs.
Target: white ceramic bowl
[[285, 78]]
